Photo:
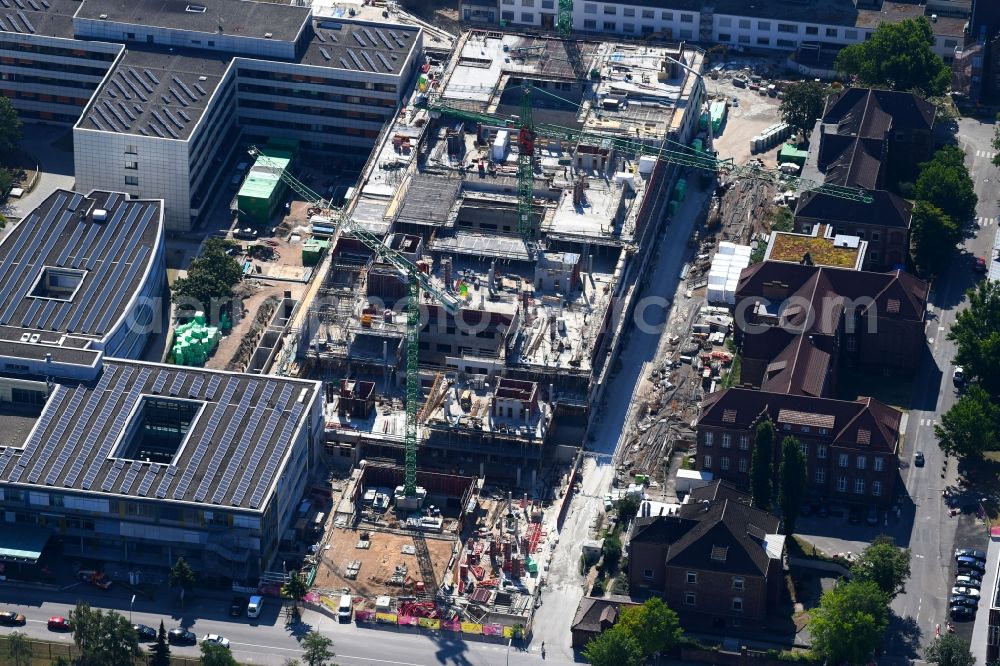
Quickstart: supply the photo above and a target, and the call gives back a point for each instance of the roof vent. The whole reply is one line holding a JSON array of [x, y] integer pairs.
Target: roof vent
[[103, 17], [100, 215], [195, 9], [268, 35], [203, 78]]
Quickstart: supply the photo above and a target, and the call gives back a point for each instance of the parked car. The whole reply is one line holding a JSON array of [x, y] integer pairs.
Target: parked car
[[966, 562], [958, 375], [872, 517], [962, 600], [918, 459], [966, 591], [216, 638], [181, 636], [974, 574], [980, 266], [855, 516], [961, 613], [965, 580], [970, 552], [144, 632], [238, 606], [59, 623], [246, 233], [11, 619]]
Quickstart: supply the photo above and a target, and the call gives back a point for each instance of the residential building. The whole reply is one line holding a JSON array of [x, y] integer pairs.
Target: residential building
[[170, 89], [851, 447], [719, 563], [875, 320], [596, 615], [109, 458]]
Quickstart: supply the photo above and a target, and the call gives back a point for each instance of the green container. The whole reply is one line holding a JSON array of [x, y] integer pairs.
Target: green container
[[672, 207], [696, 145]]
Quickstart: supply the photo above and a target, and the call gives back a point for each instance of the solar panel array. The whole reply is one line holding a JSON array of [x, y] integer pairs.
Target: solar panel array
[[258, 453], [117, 427], [51, 407], [241, 450], [280, 448], [218, 411], [110, 404], [130, 476], [113, 474], [371, 49], [147, 481], [222, 448]]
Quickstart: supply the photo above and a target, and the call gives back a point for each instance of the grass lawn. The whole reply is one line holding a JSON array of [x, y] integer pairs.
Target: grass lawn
[[893, 391]]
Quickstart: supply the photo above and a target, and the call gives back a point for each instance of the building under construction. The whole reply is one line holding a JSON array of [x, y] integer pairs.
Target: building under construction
[[541, 310]]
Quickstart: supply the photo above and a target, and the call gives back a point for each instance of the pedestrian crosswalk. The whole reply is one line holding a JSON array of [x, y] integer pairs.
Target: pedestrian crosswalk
[[988, 154], [985, 221]]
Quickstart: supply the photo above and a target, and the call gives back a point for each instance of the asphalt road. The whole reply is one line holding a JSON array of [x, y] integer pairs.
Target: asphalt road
[[932, 538], [269, 641], [565, 586]]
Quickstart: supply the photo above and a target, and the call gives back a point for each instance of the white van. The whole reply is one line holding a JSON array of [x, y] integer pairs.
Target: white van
[[345, 609], [255, 606]]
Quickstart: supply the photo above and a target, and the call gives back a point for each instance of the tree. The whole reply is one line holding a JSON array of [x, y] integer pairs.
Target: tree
[[10, 130], [934, 236], [849, 622], [214, 654], [899, 55], [970, 426], [612, 551], [884, 564], [210, 277], [104, 638], [291, 662], [944, 181], [85, 623], [761, 470], [628, 507], [802, 103], [181, 575], [316, 649], [159, 652], [6, 181], [19, 649], [614, 647], [654, 625], [949, 650], [976, 332], [295, 588], [793, 482]]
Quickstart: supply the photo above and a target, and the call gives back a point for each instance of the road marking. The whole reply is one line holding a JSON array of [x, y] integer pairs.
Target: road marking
[[985, 153], [274, 647]]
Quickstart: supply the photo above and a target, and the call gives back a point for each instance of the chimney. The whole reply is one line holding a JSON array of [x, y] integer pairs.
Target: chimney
[[446, 270], [492, 276]]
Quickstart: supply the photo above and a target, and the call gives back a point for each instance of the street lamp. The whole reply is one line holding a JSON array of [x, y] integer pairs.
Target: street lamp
[[131, 603]]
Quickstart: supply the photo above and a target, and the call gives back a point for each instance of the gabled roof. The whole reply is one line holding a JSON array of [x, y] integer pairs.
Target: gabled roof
[[886, 209], [871, 113], [800, 368], [727, 536], [596, 615], [851, 161], [718, 490], [895, 295], [845, 419]]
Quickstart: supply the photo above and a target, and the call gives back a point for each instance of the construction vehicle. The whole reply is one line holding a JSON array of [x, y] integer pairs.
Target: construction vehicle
[[669, 151], [416, 281]]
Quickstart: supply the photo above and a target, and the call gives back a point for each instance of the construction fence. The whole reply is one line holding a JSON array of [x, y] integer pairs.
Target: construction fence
[[46, 652], [435, 624]]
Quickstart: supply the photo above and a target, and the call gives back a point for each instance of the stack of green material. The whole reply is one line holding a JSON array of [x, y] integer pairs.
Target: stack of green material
[[680, 190], [531, 565], [718, 110], [697, 145], [672, 208], [194, 342], [312, 250], [703, 121], [792, 154]]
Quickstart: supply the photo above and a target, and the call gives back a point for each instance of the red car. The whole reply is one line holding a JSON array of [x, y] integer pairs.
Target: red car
[[980, 265], [59, 623]]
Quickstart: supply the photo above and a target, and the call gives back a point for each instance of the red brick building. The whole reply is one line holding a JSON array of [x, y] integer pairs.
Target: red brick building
[[718, 563], [851, 447]]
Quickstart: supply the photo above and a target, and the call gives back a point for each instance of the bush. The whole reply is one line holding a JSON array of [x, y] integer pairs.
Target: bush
[[598, 589]]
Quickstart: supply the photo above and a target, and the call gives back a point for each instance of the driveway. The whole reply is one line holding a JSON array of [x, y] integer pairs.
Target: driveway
[[51, 145]]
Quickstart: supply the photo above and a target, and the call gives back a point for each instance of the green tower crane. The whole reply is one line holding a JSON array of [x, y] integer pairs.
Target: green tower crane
[[416, 281], [564, 21]]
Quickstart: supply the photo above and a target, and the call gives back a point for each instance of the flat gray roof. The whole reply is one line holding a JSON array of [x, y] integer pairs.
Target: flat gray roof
[[156, 92], [243, 18], [382, 49], [52, 18], [108, 259], [232, 455]]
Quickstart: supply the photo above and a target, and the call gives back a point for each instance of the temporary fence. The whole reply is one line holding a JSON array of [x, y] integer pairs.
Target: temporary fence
[[434, 624]]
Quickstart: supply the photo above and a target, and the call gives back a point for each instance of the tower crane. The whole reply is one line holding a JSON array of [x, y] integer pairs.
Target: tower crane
[[564, 20], [670, 151], [415, 279]]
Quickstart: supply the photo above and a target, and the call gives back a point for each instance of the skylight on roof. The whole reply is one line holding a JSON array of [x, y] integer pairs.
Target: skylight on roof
[[196, 9]]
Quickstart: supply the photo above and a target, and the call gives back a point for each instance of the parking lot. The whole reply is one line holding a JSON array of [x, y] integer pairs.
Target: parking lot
[[749, 113]]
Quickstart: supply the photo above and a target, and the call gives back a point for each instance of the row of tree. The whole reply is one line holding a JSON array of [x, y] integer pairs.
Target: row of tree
[[791, 476], [945, 203]]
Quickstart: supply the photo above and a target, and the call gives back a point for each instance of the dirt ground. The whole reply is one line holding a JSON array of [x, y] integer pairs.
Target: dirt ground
[[745, 121], [377, 562]]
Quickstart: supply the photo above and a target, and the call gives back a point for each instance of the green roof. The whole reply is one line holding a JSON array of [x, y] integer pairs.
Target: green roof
[[23, 544], [793, 153], [265, 175]]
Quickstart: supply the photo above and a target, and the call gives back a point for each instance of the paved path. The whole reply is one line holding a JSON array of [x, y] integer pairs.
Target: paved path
[[56, 167]]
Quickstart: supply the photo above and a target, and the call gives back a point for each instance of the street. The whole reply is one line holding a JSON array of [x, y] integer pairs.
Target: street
[[268, 641], [933, 535]]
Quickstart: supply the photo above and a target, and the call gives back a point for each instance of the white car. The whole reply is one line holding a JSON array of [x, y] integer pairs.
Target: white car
[[216, 638], [967, 591], [967, 581]]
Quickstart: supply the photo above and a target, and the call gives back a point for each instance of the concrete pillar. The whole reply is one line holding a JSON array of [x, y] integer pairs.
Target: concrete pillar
[[518, 482], [482, 469], [534, 476]]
